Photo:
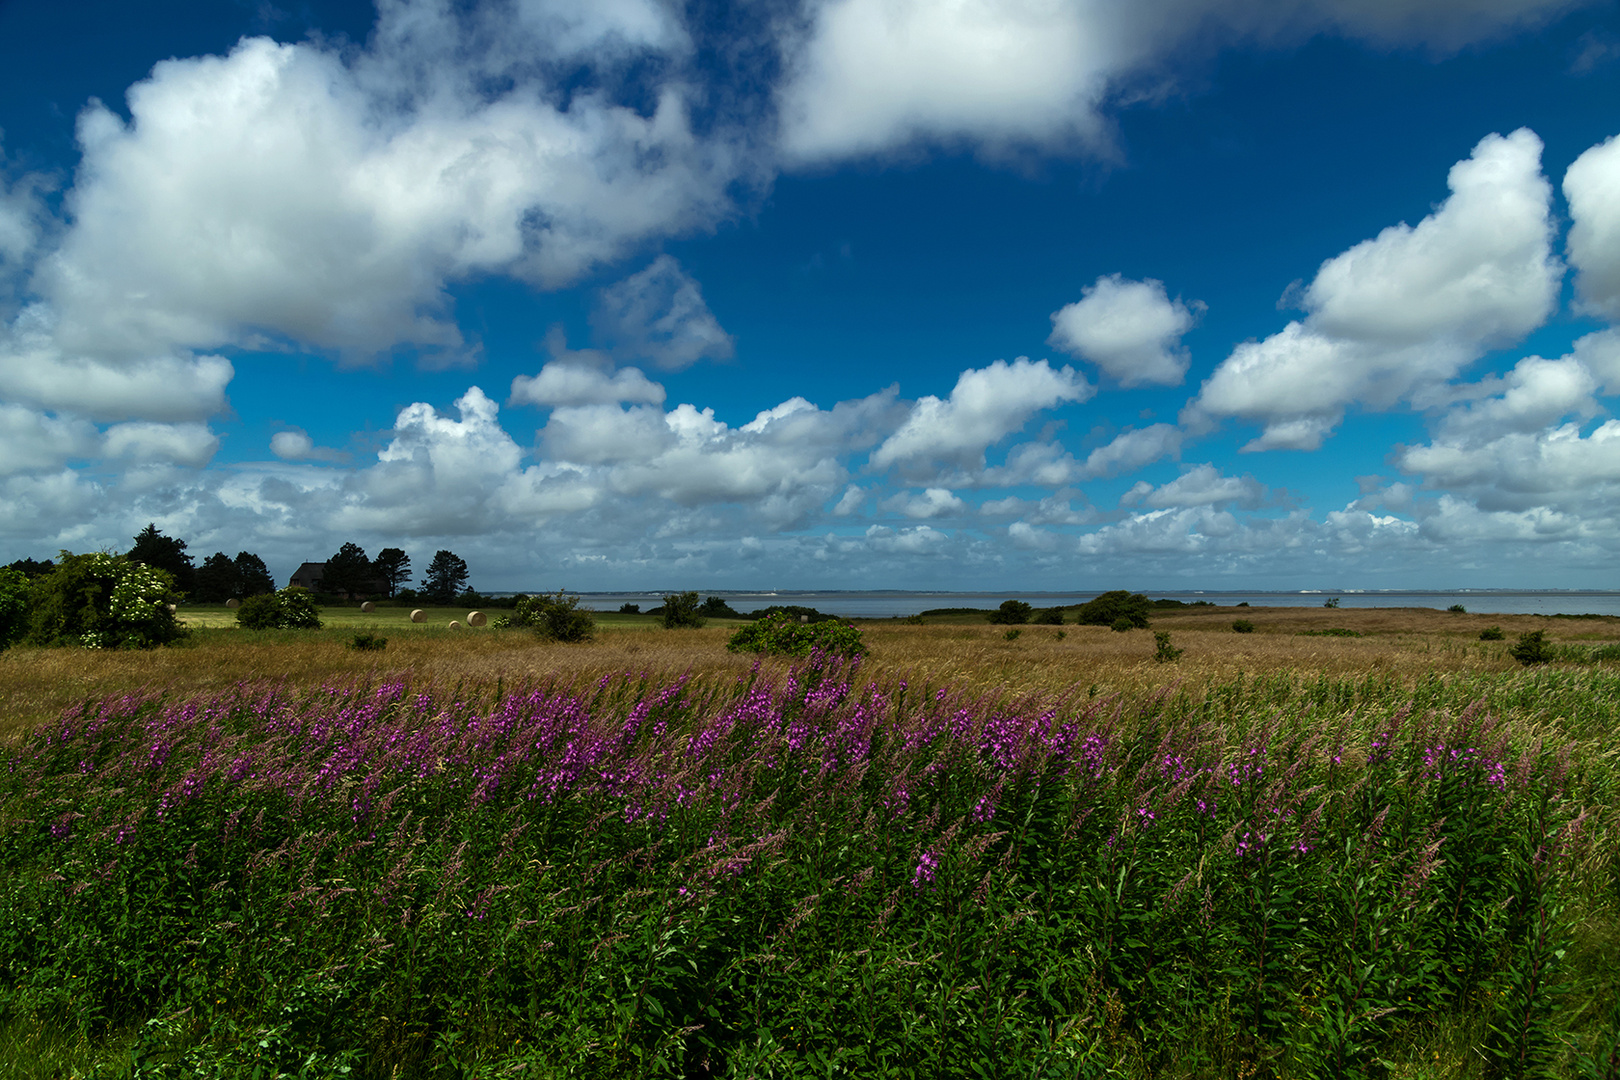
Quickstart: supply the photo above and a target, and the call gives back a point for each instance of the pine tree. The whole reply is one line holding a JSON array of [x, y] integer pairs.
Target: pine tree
[[446, 576], [393, 568]]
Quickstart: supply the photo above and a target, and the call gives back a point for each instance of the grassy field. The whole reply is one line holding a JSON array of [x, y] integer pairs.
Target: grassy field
[[1399, 643], [1036, 854]]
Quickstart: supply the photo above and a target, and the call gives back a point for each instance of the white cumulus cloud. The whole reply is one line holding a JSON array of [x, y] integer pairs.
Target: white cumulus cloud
[[1592, 186], [1395, 317], [658, 316], [1130, 329], [986, 405]]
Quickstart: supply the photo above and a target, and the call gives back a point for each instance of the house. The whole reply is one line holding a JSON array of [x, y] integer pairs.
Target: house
[[308, 576]]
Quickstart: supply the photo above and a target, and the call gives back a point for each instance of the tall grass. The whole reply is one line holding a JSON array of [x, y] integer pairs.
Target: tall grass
[[807, 870]]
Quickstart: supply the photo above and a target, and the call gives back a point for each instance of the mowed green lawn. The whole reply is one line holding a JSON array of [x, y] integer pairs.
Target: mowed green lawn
[[398, 617]]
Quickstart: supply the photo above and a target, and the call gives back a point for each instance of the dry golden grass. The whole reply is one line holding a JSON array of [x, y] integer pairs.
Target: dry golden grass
[[1401, 643]]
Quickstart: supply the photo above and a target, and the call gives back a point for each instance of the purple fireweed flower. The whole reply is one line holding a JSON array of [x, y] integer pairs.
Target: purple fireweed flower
[[923, 876]]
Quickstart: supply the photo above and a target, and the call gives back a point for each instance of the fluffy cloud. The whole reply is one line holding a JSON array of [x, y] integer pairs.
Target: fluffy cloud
[[932, 503], [145, 443], [32, 442], [1202, 485], [1130, 329], [1132, 449], [875, 74], [659, 316], [1396, 316], [872, 76], [1592, 186], [291, 194], [985, 406]]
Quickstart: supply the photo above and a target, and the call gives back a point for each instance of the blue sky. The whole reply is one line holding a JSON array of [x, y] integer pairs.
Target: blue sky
[[821, 293]]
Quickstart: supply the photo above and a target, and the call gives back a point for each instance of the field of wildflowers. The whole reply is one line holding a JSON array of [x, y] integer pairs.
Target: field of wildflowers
[[806, 872]]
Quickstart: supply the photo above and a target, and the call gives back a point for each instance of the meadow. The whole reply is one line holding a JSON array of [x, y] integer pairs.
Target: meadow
[[1292, 852]]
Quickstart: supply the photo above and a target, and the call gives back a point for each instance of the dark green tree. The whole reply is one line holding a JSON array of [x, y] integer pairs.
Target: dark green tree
[[1112, 607], [216, 580], [715, 607], [74, 604], [253, 577], [32, 568], [290, 609], [392, 567], [166, 553], [348, 572], [446, 576], [13, 606], [1011, 613], [681, 610]]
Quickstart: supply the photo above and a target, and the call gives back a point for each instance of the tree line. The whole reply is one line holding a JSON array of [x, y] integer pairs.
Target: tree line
[[349, 572]]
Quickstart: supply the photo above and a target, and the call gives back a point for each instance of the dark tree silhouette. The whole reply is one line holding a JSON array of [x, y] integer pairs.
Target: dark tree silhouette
[[165, 553], [217, 580], [32, 568], [349, 571], [253, 577], [392, 567], [446, 575]]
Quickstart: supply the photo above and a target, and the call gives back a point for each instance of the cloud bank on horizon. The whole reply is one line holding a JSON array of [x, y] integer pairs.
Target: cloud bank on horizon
[[262, 304]]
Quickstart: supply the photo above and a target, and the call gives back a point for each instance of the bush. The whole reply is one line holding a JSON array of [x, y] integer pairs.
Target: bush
[[1012, 635], [798, 611], [1111, 607], [557, 618], [716, 608], [783, 635], [291, 608], [1457, 609], [1122, 625], [1011, 613], [366, 641], [1163, 651], [1331, 602], [1532, 648], [1242, 626], [13, 606], [104, 602], [629, 609], [1052, 616], [1491, 633], [681, 611]]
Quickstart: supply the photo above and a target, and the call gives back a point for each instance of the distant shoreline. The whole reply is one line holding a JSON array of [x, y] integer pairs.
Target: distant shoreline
[[890, 603]]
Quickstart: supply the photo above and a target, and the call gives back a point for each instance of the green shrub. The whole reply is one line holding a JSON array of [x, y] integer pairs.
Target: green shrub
[[1532, 648], [1052, 616], [1122, 625], [629, 609], [715, 607], [680, 611], [1331, 602], [1163, 651], [104, 602], [1242, 626], [1011, 613], [1491, 633], [1111, 607], [13, 606], [557, 618], [1012, 635], [783, 635], [1457, 609], [291, 608], [366, 641]]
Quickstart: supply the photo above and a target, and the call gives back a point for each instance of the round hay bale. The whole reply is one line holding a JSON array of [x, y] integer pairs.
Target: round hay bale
[[368, 607], [418, 615], [455, 624], [477, 618], [233, 603]]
